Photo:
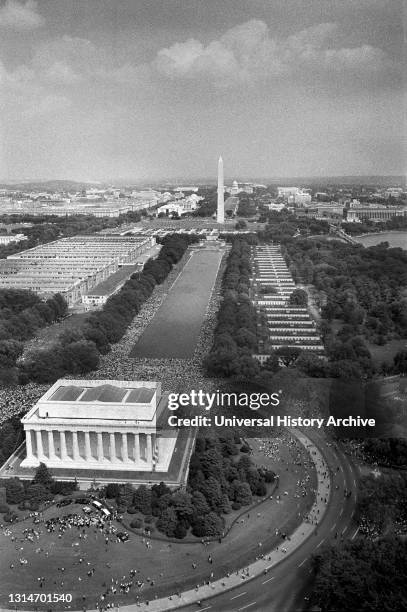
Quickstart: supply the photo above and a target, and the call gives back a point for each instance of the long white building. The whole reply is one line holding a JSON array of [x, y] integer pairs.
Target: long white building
[[71, 266]]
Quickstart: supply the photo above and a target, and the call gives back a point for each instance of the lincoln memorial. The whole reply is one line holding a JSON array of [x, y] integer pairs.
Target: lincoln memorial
[[99, 425]]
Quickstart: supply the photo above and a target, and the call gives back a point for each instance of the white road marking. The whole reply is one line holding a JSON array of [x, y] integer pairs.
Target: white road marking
[[268, 580], [207, 608], [341, 512], [354, 535], [302, 562], [333, 527], [354, 482], [321, 542], [240, 595], [247, 606], [343, 530]]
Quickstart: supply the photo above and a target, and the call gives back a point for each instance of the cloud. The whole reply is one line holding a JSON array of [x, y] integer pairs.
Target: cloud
[[19, 16], [248, 54], [46, 104]]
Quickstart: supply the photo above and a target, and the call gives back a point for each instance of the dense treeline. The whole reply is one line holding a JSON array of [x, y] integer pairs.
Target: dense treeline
[[30, 495], [382, 503], [247, 207], [235, 337], [222, 478], [22, 314], [281, 226], [386, 451], [360, 294], [78, 351], [362, 575]]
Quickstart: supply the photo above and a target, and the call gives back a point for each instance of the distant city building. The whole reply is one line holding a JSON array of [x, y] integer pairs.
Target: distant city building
[[240, 188], [71, 266], [9, 238], [285, 192], [373, 213]]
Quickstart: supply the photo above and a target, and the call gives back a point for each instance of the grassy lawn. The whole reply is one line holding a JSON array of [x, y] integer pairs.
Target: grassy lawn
[[387, 351], [47, 335], [168, 564]]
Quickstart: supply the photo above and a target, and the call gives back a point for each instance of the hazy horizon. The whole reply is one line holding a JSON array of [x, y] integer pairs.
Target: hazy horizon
[[157, 90]]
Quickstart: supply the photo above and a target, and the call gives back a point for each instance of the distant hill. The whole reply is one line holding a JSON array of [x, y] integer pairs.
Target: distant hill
[[51, 186], [349, 181]]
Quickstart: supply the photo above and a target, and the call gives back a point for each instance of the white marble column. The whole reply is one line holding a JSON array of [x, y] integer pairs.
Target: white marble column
[[136, 448], [149, 453], [28, 444], [88, 451], [112, 447], [51, 449], [40, 450], [157, 449], [125, 452], [62, 439], [100, 446], [75, 446]]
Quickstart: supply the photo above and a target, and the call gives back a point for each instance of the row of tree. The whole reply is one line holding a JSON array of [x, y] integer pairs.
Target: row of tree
[[361, 575], [235, 337], [221, 478]]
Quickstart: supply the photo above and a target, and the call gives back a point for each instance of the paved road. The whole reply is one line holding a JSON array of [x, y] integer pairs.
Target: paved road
[[284, 587]]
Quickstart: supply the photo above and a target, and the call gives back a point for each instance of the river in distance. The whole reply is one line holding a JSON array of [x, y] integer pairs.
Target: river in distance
[[395, 239]]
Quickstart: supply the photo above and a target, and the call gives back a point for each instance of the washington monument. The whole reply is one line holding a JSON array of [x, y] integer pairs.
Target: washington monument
[[220, 217]]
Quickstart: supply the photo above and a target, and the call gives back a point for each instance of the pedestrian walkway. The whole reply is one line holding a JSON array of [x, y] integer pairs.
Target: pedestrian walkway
[[268, 560]]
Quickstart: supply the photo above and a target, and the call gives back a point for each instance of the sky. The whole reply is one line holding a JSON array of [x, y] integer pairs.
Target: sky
[[158, 89]]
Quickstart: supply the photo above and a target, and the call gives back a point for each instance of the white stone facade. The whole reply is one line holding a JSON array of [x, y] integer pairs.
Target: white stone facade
[[99, 425]]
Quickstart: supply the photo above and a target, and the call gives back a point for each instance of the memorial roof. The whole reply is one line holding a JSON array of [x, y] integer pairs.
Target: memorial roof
[[103, 393]]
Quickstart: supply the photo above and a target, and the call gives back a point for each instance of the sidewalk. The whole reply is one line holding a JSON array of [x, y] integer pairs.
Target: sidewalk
[[269, 560]]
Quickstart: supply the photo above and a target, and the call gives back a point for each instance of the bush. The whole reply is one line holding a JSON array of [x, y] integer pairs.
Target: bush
[[180, 531], [121, 509], [10, 517], [136, 523], [148, 519], [132, 510], [269, 476], [4, 509], [236, 506], [112, 490], [245, 449]]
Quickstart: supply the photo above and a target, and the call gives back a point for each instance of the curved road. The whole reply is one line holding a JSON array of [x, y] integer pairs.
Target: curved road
[[283, 589]]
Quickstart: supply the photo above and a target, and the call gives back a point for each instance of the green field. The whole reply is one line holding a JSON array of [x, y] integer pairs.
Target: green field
[[174, 330]]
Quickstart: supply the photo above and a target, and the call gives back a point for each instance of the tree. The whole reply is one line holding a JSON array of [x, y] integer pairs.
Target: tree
[[142, 499], [43, 476], [242, 493], [400, 362], [298, 297], [200, 504], [288, 354], [112, 490], [167, 522], [14, 491], [37, 493], [80, 357]]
